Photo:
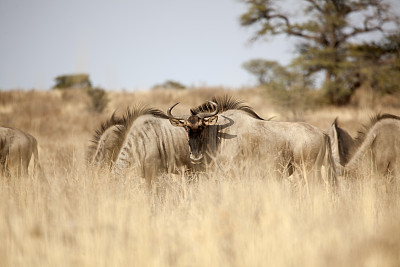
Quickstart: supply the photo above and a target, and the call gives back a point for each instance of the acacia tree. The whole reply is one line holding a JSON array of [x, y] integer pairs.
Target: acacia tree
[[72, 81], [325, 30], [378, 64], [266, 71], [285, 85]]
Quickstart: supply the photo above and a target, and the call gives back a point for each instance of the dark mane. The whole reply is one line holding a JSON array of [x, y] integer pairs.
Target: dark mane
[[131, 115], [225, 103], [122, 124], [374, 120]]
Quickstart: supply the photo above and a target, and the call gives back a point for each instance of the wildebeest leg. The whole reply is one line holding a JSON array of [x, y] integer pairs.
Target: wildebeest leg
[[148, 174], [35, 153], [151, 171], [37, 168], [5, 168], [19, 157], [282, 166], [317, 166], [3, 157], [25, 165], [289, 169], [14, 164]]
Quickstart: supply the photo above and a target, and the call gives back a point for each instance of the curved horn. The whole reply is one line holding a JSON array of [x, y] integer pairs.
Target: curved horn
[[206, 115], [170, 114]]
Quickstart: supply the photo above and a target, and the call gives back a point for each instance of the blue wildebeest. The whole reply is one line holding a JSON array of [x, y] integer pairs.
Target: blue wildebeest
[[226, 128], [16, 150], [143, 142], [376, 149], [108, 139]]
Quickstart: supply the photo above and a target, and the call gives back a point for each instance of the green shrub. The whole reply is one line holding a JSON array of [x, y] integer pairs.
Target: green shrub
[[99, 99]]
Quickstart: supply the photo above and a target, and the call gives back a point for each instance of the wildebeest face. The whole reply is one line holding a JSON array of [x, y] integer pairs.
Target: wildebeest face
[[196, 129]]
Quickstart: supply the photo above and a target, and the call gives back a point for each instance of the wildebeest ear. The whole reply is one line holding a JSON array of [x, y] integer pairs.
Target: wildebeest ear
[[211, 120], [177, 122]]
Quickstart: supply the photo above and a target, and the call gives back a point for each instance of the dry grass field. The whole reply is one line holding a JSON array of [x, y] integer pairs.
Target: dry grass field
[[230, 217]]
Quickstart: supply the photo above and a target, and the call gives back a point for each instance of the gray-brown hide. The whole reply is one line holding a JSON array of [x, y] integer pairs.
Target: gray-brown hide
[[16, 150], [376, 149], [234, 131], [107, 140], [152, 146]]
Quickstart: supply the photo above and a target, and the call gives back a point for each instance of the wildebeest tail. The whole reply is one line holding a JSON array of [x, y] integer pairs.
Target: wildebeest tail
[[329, 162], [37, 168]]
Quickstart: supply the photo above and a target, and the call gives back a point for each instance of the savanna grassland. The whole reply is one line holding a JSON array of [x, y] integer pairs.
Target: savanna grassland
[[229, 217]]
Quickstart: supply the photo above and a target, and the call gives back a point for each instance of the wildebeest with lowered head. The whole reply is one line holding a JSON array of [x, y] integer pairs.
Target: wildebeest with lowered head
[[376, 148], [151, 145], [224, 127], [16, 150]]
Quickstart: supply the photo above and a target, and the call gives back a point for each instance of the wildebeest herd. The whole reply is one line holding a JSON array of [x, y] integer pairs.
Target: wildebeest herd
[[149, 142]]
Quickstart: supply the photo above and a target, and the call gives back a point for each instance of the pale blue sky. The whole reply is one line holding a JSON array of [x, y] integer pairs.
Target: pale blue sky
[[129, 44]]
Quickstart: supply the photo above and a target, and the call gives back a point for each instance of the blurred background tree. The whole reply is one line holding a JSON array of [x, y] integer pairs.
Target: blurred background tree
[[72, 81], [376, 65], [98, 97], [169, 84], [287, 86], [328, 30], [266, 71]]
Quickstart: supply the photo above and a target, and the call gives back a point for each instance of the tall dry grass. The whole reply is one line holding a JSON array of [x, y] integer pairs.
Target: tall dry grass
[[231, 216]]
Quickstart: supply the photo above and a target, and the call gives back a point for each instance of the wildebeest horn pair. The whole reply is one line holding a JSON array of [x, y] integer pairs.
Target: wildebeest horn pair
[[202, 115], [195, 126]]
